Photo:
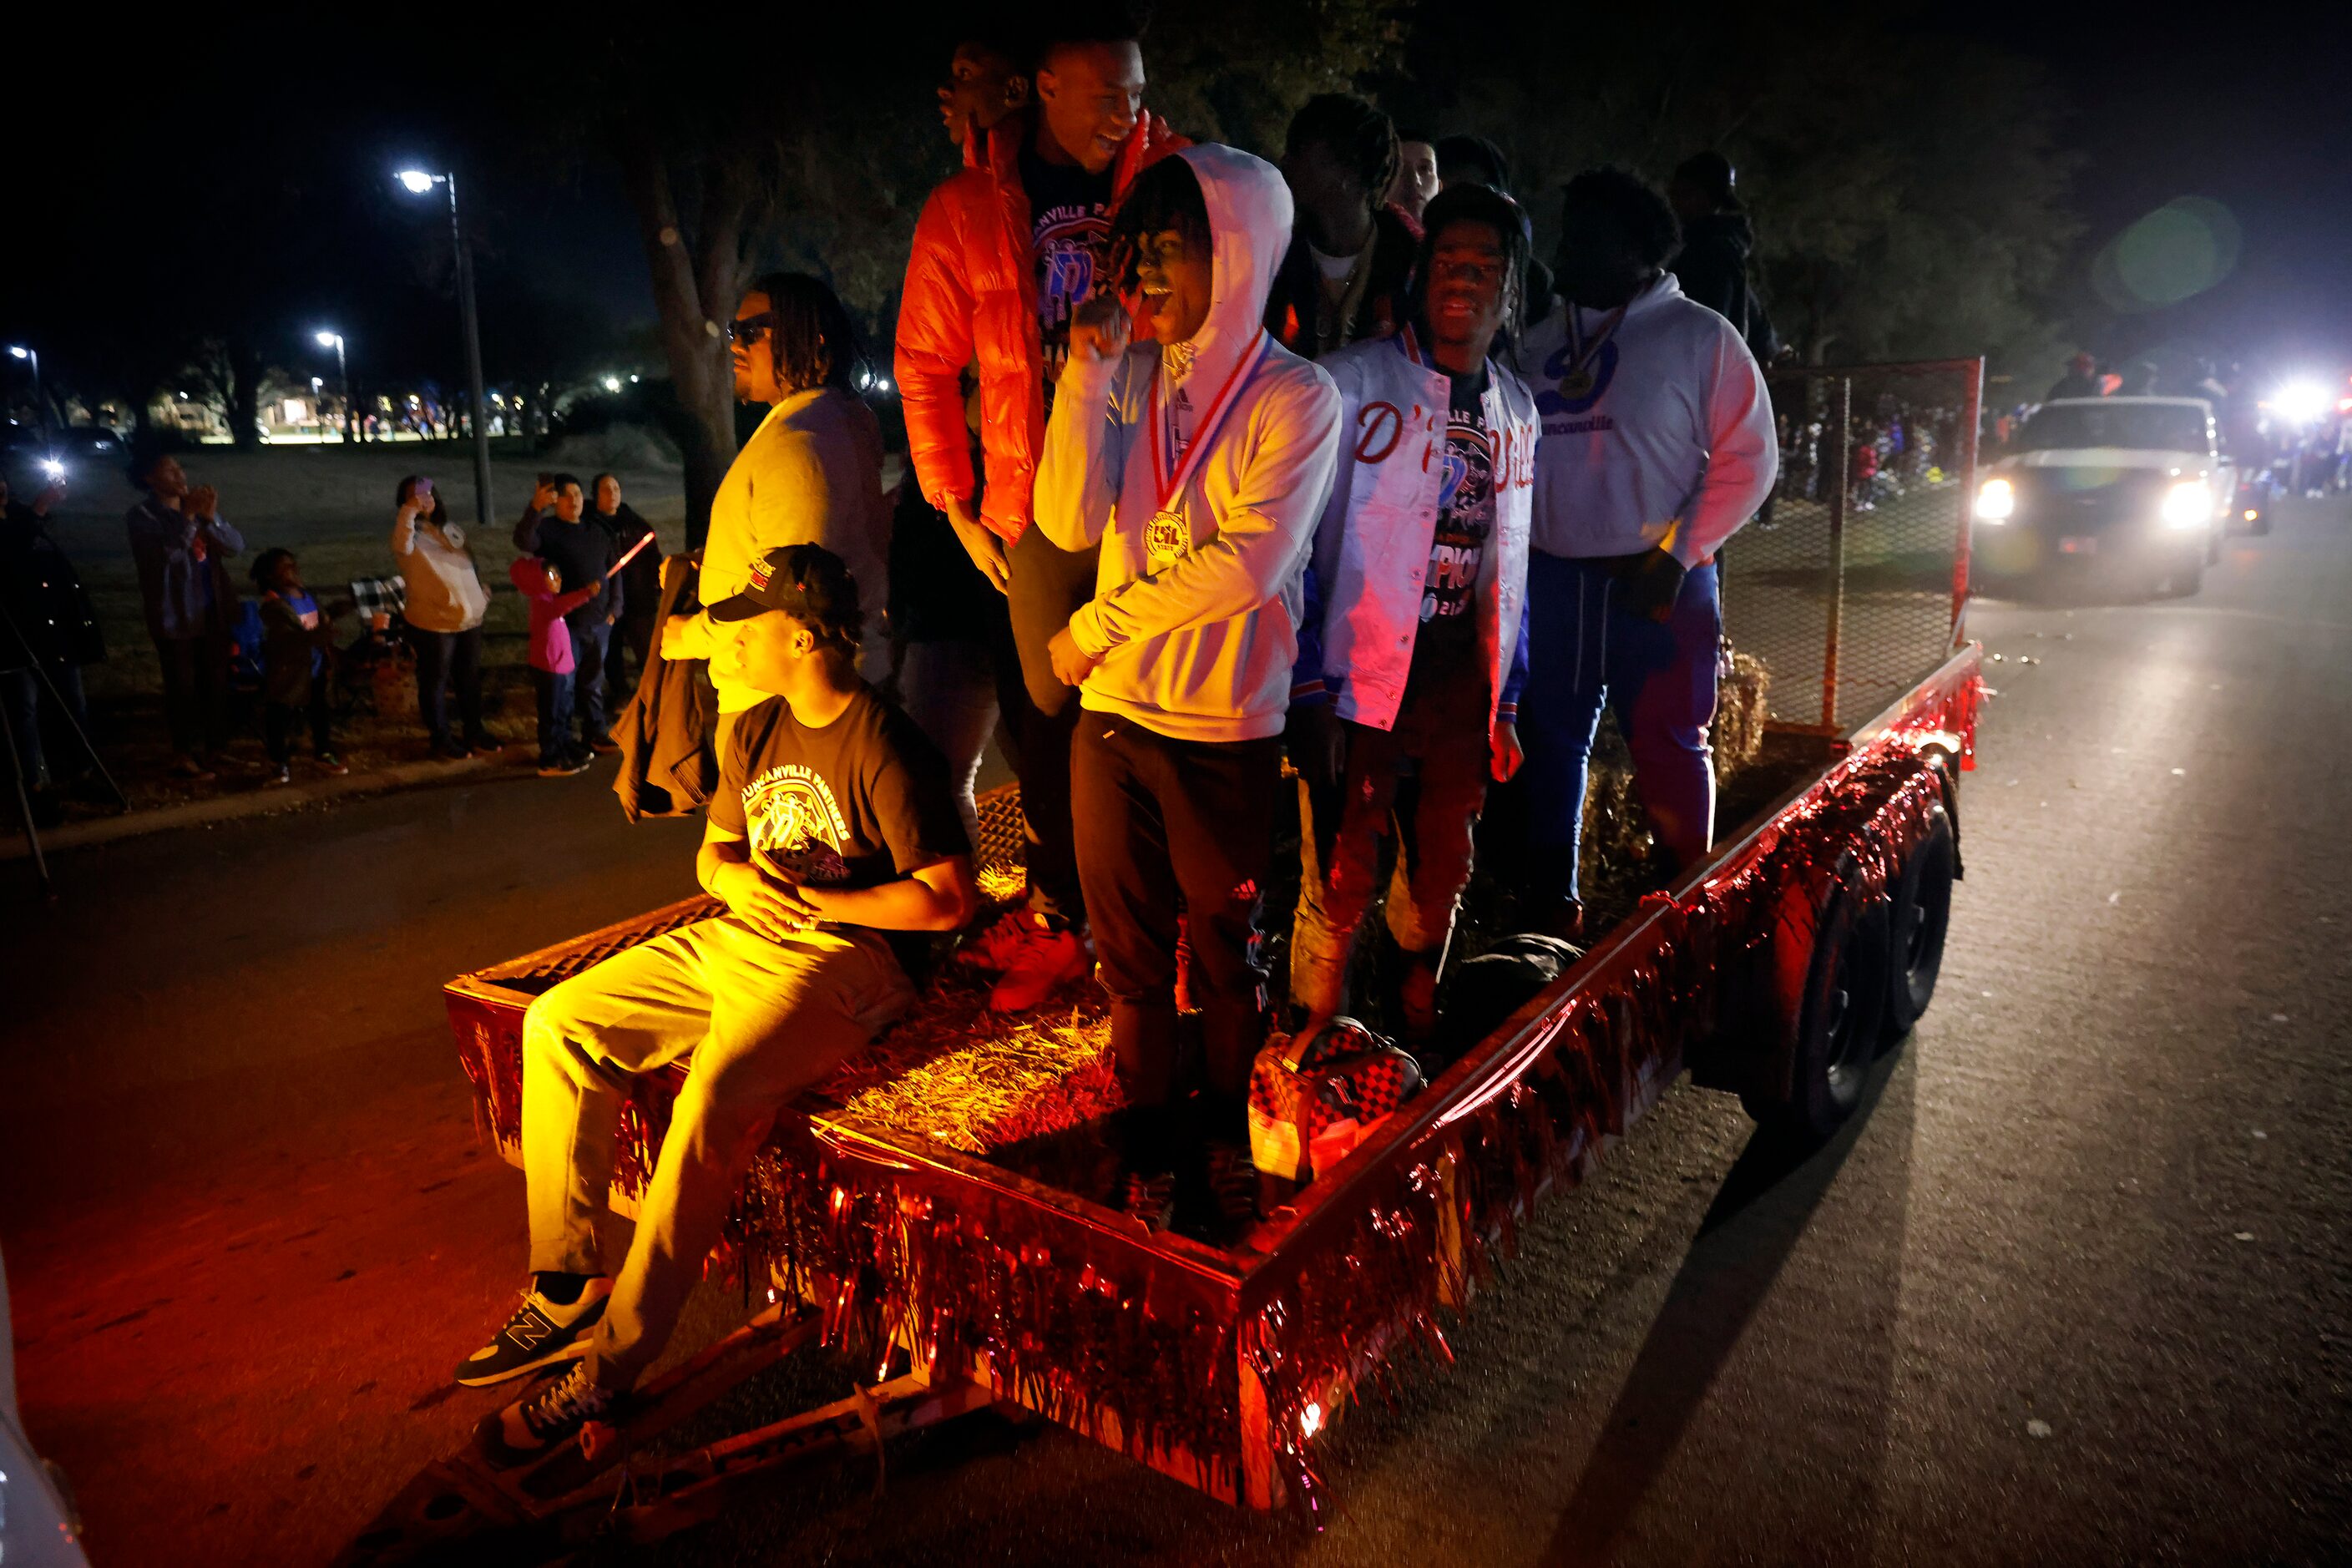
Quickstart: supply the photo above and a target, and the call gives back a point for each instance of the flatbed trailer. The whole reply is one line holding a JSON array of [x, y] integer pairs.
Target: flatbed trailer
[[1779, 969]]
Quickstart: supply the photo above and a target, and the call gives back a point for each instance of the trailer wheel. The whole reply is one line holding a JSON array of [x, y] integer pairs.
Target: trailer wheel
[[1919, 911], [1839, 1021]]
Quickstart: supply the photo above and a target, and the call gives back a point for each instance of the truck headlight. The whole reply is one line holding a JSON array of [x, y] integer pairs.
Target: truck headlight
[[2186, 504], [1996, 500]]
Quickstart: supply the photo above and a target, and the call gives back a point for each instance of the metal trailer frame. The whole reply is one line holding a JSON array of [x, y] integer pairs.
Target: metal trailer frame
[[1579, 1053]]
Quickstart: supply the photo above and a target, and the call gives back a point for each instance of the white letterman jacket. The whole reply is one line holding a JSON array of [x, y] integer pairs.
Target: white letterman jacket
[[1371, 549]]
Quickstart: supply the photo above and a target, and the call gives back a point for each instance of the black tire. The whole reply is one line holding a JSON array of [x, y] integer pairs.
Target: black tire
[[1841, 1018], [1918, 914]]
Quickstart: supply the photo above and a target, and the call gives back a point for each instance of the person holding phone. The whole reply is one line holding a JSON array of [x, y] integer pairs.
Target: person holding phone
[[181, 546], [556, 529], [443, 614]]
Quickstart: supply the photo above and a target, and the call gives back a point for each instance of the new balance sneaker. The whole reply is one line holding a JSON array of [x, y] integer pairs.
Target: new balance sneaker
[[543, 1419], [1038, 961], [540, 1333]]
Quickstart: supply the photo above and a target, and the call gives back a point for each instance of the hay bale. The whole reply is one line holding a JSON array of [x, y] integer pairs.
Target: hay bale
[[1740, 704]]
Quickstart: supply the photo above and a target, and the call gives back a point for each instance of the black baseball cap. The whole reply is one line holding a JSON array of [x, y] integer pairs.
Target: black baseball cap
[[808, 582]]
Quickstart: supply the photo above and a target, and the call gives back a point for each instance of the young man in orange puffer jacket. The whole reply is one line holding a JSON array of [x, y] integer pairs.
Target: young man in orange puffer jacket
[[1005, 251]]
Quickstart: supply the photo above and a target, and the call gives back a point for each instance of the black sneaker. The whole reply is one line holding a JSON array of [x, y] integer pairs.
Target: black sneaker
[[543, 1420], [563, 768], [540, 1333]]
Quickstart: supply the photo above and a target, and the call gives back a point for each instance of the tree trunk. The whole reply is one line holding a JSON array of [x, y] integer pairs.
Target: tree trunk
[[688, 289], [245, 372]]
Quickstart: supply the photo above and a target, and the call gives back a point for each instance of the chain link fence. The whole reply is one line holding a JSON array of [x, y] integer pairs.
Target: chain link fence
[[1851, 584]]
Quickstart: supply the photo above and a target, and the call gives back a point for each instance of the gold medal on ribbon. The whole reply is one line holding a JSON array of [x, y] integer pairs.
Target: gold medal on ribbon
[[1167, 539]]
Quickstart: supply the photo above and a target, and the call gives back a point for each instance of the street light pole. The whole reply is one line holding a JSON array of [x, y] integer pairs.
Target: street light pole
[[418, 181], [343, 373]]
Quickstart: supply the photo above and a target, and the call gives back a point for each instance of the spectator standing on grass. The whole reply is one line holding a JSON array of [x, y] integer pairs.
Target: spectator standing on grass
[[443, 611], [50, 611], [182, 545], [297, 639], [555, 526], [639, 595], [552, 661], [1657, 446], [1350, 256]]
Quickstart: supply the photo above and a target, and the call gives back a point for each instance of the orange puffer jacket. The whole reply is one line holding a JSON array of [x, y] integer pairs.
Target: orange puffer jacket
[[971, 293]]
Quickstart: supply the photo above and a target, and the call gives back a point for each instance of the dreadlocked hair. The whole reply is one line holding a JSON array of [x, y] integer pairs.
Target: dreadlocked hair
[[1480, 204], [814, 340], [1363, 139], [1166, 196]]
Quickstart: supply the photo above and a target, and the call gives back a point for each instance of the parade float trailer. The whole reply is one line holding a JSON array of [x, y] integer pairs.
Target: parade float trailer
[[977, 1261]]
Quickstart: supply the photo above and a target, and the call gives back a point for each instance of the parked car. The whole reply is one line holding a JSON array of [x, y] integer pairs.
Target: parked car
[[2129, 489]]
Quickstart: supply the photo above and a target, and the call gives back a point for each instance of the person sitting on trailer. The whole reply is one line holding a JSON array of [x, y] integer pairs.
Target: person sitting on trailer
[[832, 831], [1417, 610]]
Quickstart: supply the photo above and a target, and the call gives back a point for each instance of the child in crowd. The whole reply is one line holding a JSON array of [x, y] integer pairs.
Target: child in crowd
[[296, 636], [552, 660]]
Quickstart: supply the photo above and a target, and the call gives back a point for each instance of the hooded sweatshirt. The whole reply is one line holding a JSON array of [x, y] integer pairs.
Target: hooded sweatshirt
[[1199, 593], [1670, 444]]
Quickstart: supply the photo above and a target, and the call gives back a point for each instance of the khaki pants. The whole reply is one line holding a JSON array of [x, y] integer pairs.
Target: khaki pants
[[757, 1020]]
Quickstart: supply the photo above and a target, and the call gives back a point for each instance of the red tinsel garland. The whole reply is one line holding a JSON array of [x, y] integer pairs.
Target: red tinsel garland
[[1092, 1332]]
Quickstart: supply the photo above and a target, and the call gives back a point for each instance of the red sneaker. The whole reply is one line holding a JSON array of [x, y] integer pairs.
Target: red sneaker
[[993, 947], [1038, 960]]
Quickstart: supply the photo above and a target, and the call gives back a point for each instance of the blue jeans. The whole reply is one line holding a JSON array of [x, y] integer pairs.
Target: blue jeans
[[554, 690], [1583, 650], [22, 691], [589, 644]]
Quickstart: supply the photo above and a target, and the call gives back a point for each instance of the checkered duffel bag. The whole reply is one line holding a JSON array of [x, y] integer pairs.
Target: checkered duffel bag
[[1315, 1096]]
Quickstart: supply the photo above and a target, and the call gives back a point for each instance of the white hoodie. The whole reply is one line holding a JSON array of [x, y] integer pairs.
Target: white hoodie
[[1201, 648], [1673, 442]]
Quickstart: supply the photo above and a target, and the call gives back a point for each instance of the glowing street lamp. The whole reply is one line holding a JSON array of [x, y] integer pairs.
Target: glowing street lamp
[[417, 182], [334, 340], [41, 408]]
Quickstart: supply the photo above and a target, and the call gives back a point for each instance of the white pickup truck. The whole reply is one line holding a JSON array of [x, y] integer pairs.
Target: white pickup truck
[[2135, 489]]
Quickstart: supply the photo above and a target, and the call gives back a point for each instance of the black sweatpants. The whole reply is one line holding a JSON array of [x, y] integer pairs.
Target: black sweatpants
[[1155, 818], [279, 720]]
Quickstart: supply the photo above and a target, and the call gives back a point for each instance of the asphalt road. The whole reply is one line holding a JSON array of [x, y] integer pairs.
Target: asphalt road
[[2076, 1289]]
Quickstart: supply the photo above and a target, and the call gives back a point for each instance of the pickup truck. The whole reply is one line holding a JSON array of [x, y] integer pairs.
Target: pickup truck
[[2130, 491]]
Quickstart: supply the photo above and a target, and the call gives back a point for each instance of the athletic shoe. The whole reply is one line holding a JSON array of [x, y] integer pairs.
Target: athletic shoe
[[333, 764], [485, 746], [1233, 1183], [188, 768], [450, 750], [543, 1420], [603, 745], [993, 947], [1039, 961], [540, 1333], [280, 773], [563, 768]]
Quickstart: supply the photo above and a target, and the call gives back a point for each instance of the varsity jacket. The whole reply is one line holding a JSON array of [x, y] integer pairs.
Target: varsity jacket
[[1199, 591], [1371, 550]]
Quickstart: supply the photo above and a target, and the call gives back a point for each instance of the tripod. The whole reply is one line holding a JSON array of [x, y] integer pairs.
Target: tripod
[[16, 657]]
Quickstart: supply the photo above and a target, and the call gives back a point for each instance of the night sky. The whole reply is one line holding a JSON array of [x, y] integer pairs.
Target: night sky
[[2244, 108]]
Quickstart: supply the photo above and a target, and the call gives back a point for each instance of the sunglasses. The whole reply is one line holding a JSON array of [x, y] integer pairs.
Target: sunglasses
[[746, 330]]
